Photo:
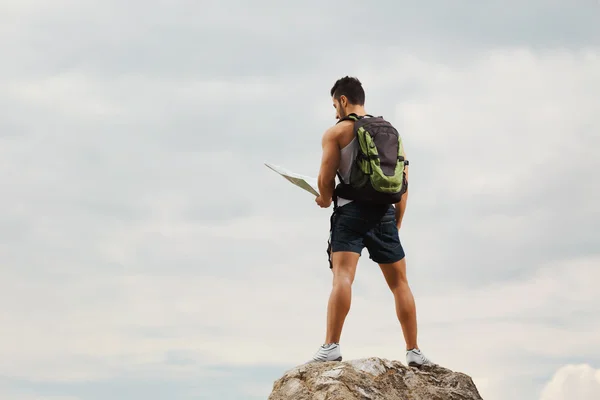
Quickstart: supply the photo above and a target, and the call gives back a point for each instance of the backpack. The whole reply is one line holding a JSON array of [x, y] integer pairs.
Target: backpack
[[377, 175]]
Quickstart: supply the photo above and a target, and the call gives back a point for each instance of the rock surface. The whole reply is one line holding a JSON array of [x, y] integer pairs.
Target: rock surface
[[372, 379]]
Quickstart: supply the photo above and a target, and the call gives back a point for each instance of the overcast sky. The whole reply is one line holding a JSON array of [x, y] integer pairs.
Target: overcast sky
[[147, 253]]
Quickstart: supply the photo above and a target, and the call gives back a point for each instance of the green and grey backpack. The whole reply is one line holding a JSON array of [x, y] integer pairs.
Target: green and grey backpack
[[378, 173]]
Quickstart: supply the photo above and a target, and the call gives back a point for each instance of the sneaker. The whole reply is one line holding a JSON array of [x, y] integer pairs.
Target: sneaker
[[328, 352], [415, 358]]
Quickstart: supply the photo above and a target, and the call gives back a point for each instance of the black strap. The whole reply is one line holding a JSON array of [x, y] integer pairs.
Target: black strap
[[349, 117], [353, 117], [332, 221]]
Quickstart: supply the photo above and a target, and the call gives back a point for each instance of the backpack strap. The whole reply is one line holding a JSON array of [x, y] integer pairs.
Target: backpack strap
[[353, 117], [349, 117], [331, 222]]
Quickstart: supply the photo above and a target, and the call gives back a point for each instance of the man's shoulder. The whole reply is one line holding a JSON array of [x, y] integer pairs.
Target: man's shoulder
[[336, 131], [341, 130], [345, 125]]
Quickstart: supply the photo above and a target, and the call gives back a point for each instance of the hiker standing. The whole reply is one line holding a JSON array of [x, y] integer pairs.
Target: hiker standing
[[367, 156]]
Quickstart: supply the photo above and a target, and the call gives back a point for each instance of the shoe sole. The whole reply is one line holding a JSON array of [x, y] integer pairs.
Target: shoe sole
[[337, 359], [415, 364]]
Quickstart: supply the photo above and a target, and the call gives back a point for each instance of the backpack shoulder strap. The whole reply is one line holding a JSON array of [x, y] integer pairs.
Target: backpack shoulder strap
[[349, 117], [354, 117]]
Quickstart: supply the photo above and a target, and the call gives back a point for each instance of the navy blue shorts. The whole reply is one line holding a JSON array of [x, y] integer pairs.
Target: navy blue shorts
[[355, 226]]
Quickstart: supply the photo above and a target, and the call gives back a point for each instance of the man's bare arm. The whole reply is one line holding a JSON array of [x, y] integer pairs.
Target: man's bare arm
[[400, 208], [330, 163], [401, 205]]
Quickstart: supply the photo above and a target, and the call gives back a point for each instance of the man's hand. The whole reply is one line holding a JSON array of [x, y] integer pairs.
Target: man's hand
[[322, 202]]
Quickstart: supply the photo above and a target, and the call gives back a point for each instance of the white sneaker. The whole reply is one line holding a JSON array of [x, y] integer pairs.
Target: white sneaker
[[328, 352], [415, 358]]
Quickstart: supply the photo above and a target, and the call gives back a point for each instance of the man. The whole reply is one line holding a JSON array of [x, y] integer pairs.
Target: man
[[355, 225]]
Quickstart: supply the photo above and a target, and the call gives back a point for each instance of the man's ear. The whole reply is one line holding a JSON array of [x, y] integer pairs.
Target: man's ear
[[343, 101]]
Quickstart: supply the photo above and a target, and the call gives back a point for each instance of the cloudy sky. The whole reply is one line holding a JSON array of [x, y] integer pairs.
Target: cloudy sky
[[147, 253]]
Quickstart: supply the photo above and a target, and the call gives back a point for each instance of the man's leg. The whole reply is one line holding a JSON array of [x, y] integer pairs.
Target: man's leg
[[346, 247], [386, 250], [343, 265], [344, 270], [395, 276]]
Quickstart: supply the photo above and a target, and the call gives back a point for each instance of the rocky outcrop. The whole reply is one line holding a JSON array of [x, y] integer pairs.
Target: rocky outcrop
[[372, 379]]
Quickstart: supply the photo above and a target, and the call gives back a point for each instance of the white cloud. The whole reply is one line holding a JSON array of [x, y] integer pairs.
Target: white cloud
[[497, 121], [580, 381], [104, 327], [10, 394], [108, 272]]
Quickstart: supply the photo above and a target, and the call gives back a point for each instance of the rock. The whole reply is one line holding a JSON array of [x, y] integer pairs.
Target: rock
[[372, 379]]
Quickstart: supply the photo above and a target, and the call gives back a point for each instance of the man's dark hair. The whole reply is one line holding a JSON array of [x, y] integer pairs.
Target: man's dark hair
[[351, 88]]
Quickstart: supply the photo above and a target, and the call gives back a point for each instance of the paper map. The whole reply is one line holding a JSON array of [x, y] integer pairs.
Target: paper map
[[305, 182]]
